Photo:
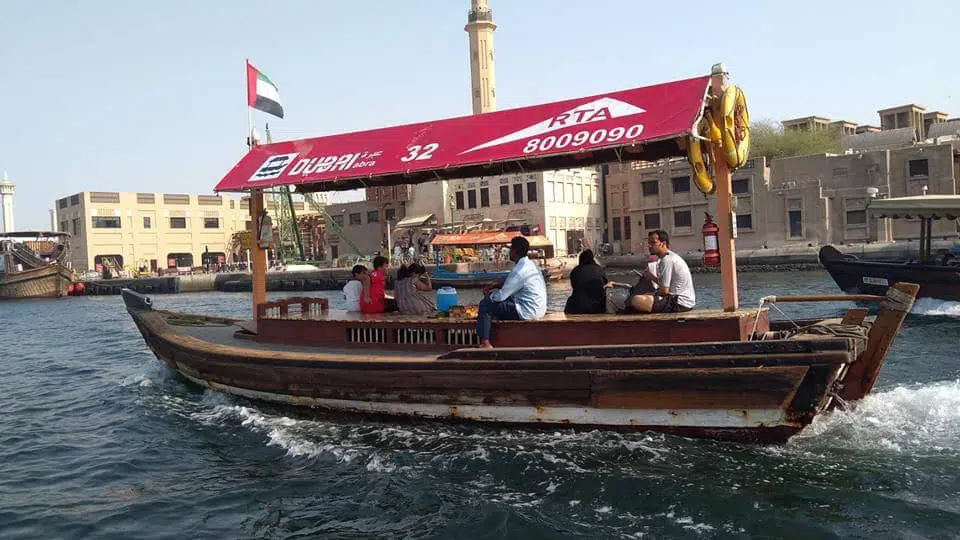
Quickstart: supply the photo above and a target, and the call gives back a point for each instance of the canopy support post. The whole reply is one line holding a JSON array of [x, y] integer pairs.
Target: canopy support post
[[258, 257], [725, 217]]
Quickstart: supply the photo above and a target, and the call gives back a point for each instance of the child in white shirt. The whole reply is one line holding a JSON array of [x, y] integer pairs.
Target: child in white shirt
[[354, 288]]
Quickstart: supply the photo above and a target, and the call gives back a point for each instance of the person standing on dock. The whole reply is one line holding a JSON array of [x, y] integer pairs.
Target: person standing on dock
[[521, 296]]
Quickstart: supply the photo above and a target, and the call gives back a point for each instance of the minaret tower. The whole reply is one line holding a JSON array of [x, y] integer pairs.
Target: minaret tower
[[480, 27], [6, 204]]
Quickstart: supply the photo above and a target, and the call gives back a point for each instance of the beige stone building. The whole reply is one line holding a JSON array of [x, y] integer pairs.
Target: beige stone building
[[360, 227], [803, 200], [565, 206], [642, 197], [154, 230]]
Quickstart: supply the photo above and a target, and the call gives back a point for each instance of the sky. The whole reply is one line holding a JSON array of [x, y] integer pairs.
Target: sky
[[106, 95]]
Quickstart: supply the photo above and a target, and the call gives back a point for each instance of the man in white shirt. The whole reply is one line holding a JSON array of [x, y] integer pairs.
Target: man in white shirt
[[354, 288], [674, 283], [522, 296]]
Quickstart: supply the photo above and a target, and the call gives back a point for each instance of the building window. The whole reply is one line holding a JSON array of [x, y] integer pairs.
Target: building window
[[626, 228], [795, 218], [211, 223], [74, 199], [390, 214], [518, 193], [504, 195], [548, 191], [682, 219], [531, 192], [569, 193], [484, 197], [338, 219], [745, 221], [681, 184], [178, 223], [650, 188], [248, 225], [651, 221], [76, 226], [593, 195], [179, 260], [856, 217], [62, 203], [373, 216], [472, 198], [106, 222], [354, 219], [616, 229], [558, 192], [147, 222], [741, 185], [461, 204], [918, 168]]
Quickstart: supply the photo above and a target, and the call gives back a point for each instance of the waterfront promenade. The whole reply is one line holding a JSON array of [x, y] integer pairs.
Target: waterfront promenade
[[328, 279]]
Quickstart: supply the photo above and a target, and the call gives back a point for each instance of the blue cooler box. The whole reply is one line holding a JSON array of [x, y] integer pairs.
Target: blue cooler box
[[446, 297]]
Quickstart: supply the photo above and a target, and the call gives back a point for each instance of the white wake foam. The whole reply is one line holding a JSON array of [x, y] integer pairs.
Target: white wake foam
[[932, 306], [920, 420]]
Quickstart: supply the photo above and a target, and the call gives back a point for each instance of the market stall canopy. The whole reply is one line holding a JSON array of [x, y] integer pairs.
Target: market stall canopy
[[485, 238], [539, 241], [918, 207], [640, 124], [415, 221]]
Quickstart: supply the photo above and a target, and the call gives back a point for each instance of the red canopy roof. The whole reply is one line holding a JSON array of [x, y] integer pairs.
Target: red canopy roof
[[643, 123], [474, 238]]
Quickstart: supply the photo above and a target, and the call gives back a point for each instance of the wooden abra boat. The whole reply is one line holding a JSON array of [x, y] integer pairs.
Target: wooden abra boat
[[478, 278], [937, 275], [33, 265], [728, 374], [725, 375]]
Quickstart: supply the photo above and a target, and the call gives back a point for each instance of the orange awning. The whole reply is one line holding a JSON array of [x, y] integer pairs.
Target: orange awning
[[475, 238]]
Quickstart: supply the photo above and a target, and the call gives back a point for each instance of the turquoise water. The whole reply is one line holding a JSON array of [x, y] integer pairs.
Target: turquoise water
[[99, 440]]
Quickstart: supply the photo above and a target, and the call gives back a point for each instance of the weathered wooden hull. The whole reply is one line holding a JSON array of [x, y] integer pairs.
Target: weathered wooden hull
[[857, 276], [753, 391], [47, 282]]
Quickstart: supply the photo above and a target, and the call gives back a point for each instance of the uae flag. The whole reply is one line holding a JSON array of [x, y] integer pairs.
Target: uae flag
[[262, 94]]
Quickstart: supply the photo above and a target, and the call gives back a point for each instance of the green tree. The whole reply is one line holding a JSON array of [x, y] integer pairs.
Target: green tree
[[768, 138]]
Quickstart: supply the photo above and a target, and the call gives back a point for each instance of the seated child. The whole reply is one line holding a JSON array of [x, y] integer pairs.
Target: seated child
[[354, 288]]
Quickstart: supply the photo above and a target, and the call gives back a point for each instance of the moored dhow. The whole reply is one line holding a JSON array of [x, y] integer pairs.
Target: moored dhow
[[33, 265]]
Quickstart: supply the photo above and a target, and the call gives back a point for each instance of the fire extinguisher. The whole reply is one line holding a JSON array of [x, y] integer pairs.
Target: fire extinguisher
[[711, 251]]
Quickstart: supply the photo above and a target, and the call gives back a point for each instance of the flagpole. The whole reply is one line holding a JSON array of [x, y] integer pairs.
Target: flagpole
[[257, 259], [246, 85]]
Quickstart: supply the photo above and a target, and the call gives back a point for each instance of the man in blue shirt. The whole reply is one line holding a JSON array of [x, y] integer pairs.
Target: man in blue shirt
[[522, 296]]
